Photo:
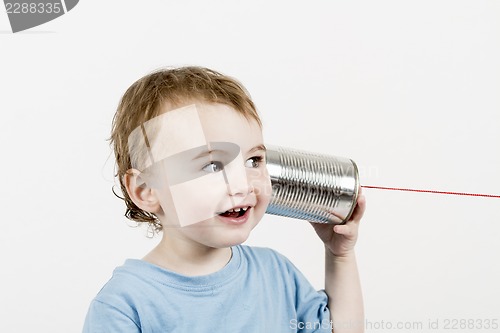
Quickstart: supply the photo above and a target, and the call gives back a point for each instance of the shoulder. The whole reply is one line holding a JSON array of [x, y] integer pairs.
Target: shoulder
[[129, 283], [272, 268], [115, 306]]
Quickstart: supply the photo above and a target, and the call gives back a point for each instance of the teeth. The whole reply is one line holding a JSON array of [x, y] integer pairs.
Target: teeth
[[237, 210]]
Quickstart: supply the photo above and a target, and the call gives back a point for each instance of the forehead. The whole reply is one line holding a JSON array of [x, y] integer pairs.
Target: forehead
[[222, 123], [196, 125]]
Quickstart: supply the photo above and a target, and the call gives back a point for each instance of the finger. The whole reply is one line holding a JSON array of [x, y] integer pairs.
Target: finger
[[360, 209], [347, 230], [340, 229]]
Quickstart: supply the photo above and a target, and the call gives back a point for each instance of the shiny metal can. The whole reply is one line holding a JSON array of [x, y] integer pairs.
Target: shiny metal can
[[309, 186]]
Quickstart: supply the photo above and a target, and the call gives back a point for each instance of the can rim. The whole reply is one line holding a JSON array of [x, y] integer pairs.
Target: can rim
[[356, 193]]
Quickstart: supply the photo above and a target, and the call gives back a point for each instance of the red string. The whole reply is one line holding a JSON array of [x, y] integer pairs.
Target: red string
[[431, 191]]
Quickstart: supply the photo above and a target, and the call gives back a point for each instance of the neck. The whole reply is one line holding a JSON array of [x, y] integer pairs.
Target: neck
[[185, 257]]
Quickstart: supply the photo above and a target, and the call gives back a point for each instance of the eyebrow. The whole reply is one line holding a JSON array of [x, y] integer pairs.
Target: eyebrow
[[209, 152], [256, 148]]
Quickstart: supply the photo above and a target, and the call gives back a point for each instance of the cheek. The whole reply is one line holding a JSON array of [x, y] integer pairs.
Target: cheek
[[196, 200], [261, 182]]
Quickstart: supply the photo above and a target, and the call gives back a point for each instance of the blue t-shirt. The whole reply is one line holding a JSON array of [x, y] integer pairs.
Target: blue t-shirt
[[259, 290]]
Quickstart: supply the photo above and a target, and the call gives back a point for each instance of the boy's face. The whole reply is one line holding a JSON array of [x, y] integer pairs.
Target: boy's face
[[206, 164]]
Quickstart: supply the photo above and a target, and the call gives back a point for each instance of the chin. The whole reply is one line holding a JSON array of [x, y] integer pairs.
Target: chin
[[234, 238]]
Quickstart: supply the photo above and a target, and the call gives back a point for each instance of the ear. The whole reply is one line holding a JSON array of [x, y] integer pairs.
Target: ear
[[143, 196]]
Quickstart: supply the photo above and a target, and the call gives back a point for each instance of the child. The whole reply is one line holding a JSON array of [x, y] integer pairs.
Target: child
[[191, 163]]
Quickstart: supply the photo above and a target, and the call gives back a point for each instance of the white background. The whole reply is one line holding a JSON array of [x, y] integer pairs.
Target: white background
[[407, 89]]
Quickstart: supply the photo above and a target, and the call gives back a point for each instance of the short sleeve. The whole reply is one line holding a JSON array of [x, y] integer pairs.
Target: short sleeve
[[312, 307], [103, 318]]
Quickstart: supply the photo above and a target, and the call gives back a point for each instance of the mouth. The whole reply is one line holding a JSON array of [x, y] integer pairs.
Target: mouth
[[235, 212]]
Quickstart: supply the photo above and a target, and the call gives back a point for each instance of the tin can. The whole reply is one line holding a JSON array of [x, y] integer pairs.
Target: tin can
[[309, 186]]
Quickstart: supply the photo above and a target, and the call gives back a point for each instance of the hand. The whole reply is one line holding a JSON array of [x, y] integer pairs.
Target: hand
[[340, 239]]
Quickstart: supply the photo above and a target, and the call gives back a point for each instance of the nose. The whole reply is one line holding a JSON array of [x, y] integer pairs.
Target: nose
[[236, 180], [238, 185]]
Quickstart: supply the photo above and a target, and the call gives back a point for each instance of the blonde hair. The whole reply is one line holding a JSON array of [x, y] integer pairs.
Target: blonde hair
[[143, 101]]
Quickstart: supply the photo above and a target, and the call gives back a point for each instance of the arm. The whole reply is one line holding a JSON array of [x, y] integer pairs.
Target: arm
[[343, 288], [342, 284]]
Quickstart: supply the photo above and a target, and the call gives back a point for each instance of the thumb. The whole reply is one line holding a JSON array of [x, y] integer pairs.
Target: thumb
[[342, 229]]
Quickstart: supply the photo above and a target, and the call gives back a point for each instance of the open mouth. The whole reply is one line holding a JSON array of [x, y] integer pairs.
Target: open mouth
[[235, 212]]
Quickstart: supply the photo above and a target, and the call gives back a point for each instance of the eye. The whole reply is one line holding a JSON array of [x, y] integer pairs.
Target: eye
[[213, 167], [254, 162]]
